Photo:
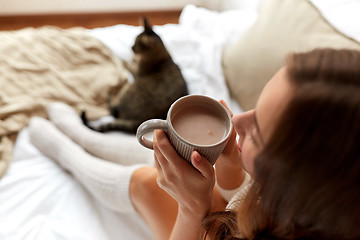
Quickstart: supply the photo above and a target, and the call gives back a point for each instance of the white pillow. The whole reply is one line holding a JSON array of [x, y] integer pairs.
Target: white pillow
[[282, 26]]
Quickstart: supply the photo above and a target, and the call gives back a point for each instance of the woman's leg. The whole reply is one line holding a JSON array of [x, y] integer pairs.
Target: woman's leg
[[119, 188], [108, 182], [120, 148], [154, 205]]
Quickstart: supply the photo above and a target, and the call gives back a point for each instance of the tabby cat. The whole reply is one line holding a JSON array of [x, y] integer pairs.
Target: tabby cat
[[158, 82]]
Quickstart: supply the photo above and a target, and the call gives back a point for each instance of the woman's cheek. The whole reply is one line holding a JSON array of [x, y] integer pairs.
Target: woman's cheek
[[248, 155]]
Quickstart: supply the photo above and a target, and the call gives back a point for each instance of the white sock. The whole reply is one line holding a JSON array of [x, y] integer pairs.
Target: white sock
[[108, 182], [122, 148]]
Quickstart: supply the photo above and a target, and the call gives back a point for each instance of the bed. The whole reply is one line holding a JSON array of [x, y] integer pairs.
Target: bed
[[219, 55]]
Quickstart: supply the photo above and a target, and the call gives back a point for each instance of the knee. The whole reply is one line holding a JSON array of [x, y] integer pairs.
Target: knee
[[143, 184]]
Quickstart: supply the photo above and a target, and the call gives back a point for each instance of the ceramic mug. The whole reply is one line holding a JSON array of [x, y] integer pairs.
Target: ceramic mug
[[194, 122]]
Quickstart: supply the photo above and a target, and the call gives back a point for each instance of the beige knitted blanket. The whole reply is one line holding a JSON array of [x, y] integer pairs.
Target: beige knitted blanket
[[43, 65]]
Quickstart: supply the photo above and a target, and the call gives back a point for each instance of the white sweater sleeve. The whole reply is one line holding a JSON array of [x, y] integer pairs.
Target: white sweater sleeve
[[228, 194]]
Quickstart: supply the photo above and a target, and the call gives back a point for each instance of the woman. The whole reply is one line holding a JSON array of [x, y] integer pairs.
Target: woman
[[300, 145]]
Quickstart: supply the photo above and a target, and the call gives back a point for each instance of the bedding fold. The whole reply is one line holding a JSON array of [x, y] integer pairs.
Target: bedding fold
[[42, 65]]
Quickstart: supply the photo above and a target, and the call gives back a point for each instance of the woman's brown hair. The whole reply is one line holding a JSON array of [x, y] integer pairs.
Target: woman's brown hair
[[306, 182]]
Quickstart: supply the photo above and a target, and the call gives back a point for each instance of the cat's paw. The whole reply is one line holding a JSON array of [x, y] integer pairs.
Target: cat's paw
[[86, 122]]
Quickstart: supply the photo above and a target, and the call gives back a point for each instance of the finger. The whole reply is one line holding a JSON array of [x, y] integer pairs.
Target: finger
[[202, 165], [160, 162], [160, 170], [168, 168], [159, 138], [231, 143], [226, 106], [158, 181], [157, 165], [166, 149]]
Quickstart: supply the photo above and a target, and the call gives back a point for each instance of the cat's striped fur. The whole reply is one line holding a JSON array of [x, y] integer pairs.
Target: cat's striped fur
[[158, 82]]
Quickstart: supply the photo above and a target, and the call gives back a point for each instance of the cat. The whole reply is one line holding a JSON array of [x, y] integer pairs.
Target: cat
[[158, 82]]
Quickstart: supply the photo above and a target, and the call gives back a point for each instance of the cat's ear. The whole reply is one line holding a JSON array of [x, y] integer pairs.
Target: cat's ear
[[147, 26]]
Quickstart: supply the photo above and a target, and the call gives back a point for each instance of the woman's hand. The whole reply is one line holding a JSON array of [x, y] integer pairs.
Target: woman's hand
[[230, 156], [229, 170], [190, 186]]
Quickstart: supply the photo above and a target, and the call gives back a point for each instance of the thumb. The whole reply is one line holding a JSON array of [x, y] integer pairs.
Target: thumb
[[227, 107], [202, 165]]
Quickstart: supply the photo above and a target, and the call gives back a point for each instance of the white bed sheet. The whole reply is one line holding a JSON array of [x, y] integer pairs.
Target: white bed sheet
[[39, 200]]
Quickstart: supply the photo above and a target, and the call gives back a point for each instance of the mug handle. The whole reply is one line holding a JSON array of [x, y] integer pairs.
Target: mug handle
[[149, 126]]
